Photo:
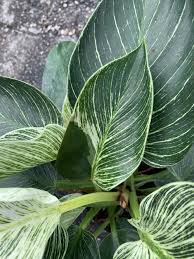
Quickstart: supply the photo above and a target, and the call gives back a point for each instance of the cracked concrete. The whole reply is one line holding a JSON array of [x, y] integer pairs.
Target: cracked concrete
[[29, 29]]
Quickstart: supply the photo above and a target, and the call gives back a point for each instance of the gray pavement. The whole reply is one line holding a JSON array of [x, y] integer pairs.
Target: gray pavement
[[29, 29]]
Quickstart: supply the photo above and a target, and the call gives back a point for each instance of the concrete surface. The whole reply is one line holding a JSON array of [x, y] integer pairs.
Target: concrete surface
[[29, 29]]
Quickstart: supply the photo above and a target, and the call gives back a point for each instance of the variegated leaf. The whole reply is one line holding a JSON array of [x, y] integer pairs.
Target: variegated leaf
[[27, 220], [58, 242], [30, 224], [30, 127], [116, 28], [166, 225], [27, 147], [22, 106], [169, 27], [57, 245], [113, 113], [112, 32]]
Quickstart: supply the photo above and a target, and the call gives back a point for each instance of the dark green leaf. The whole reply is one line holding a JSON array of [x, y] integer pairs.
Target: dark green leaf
[[82, 244], [112, 32], [22, 106], [184, 170], [113, 116], [169, 27], [55, 76], [40, 177], [116, 28], [30, 127]]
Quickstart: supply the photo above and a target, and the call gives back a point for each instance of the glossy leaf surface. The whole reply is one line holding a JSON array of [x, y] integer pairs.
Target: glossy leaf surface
[[116, 28], [112, 116]]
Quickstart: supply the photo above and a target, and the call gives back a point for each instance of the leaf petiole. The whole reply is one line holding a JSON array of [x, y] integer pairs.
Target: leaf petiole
[[88, 199]]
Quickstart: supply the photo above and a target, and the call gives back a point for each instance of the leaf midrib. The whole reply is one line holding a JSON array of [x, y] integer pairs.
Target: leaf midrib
[[43, 213], [154, 246]]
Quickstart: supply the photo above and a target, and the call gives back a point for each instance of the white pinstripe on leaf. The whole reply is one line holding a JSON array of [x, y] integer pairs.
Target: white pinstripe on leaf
[[166, 225]]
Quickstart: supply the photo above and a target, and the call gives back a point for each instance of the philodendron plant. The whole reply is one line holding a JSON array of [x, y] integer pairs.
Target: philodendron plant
[[100, 163]]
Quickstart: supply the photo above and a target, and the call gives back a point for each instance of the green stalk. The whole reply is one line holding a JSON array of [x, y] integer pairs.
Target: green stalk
[[88, 217], [88, 199], [113, 227], [149, 178], [134, 205], [102, 226]]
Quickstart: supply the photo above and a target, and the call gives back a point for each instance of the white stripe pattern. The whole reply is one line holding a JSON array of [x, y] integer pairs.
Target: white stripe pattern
[[114, 111], [27, 147], [30, 224], [166, 225]]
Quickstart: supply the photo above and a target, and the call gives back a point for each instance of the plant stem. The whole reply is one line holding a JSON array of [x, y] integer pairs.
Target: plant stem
[[88, 199], [149, 178], [113, 227], [99, 230], [134, 205], [71, 185], [89, 216]]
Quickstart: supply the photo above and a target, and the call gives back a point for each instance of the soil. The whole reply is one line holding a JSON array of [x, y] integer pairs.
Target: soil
[[30, 28]]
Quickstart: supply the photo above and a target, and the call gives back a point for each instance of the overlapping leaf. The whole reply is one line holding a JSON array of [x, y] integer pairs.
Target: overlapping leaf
[[30, 223], [166, 225], [169, 27], [22, 106], [112, 32], [27, 220], [40, 177], [116, 28], [55, 76], [27, 147], [30, 131], [113, 113], [58, 242]]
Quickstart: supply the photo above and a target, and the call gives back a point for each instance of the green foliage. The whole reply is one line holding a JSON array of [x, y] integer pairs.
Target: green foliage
[[116, 114]]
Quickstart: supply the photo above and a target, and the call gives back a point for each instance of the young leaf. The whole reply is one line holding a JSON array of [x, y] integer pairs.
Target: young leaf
[[28, 219], [112, 117], [82, 244], [112, 32], [166, 225], [22, 106], [169, 27], [55, 76], [27, 147]]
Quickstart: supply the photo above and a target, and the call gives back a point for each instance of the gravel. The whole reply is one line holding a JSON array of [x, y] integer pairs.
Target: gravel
[[29, 29]]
